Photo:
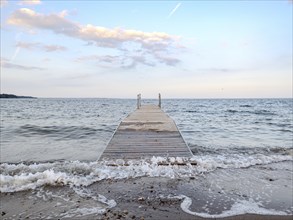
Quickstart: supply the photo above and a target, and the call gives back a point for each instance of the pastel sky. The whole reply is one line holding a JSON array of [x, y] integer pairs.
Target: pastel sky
[[117, 49]]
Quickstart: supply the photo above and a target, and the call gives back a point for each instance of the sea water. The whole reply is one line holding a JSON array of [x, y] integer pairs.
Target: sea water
[[59, 141]]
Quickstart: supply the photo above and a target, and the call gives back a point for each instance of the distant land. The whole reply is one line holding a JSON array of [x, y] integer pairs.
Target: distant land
[[11, 96]]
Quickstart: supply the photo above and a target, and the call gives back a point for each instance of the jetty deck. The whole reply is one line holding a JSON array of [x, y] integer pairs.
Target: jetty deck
[[146, 132]]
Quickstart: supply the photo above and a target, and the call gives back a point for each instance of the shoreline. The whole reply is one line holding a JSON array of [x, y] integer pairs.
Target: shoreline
[[134, 198]]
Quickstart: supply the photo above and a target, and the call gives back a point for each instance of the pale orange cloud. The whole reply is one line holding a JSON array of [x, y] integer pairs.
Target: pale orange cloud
[[5, 63], [122, 39], [29, 2], [100, 35], [47, 48]]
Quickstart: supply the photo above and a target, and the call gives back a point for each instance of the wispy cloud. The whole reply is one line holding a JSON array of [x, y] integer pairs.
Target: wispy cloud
[[5, 63], [174, 10], [223, 70], [121, 61], [47, 48], [46, 60], [26, 45], [170, 61], [107, 59], [101, 36], [128, 41], [29, 2], [51, 48]]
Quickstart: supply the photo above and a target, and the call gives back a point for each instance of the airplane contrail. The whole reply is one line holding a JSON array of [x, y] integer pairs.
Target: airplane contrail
[[17, 37], [15, 54], [174, 10]]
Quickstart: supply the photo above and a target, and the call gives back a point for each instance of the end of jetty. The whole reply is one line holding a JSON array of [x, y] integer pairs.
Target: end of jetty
[[146, 132]]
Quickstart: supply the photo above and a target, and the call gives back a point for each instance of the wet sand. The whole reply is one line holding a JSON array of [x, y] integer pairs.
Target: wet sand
[[136, 198]]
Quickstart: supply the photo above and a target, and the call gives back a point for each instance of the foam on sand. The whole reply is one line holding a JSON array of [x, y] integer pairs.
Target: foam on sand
[[238, 208]]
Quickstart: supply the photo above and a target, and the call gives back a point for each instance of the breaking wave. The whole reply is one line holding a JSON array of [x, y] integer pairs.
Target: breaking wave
[[19, 177]]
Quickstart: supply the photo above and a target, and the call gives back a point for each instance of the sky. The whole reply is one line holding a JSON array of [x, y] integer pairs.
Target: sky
[[118, 49]]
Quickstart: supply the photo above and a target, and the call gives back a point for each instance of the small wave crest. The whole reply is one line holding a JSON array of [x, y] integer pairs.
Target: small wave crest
[[241, 151], [245, 106], [239, 157], [19, 177], [256, 112], [61, 132]]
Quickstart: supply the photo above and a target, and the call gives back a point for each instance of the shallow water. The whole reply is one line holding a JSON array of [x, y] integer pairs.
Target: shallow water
[[58, 142], [79, 129], [58, 129]]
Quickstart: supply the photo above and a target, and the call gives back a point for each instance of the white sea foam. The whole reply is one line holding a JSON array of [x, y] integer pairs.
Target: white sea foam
[[211, 162], [97, 209], [85, 193], [19, 177], [238, 208], [95, 203]]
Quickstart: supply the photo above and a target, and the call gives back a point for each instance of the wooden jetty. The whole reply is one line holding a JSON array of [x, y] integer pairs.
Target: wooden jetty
[[146, 132]]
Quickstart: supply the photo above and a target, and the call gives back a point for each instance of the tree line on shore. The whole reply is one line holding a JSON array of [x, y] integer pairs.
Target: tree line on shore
[[12, 96]]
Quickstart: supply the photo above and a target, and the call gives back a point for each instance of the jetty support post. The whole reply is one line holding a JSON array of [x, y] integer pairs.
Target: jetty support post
[[138, 101], [160, 104]]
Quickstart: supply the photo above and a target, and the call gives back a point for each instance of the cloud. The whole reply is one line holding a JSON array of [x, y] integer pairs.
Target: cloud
[[170, 61], [46, 60], [29, 2], [129, 61], [223, 70], [25, 45], [5, 63], [100, 59], [30, 19], [122, 61], [51, 48], [47, 48], [101, 36], [129, 41], [3, 3], [174, 10]]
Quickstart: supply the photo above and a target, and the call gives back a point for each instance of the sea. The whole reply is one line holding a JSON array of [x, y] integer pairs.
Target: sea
[[240, 144]]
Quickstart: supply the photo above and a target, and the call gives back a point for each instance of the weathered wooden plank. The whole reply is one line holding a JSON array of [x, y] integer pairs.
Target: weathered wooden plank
[[141, 147], [146, 132], [150, 152], [147, 142], [143, 142], [149, 133], [141, 156], [148, 136]]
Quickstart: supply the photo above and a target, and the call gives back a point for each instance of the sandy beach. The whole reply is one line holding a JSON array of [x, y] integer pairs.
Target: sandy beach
[[134, 198]]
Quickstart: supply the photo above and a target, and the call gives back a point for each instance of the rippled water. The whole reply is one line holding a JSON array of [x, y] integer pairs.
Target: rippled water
[[79, 129], [59, 129], [234, 122], [58, 141]]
